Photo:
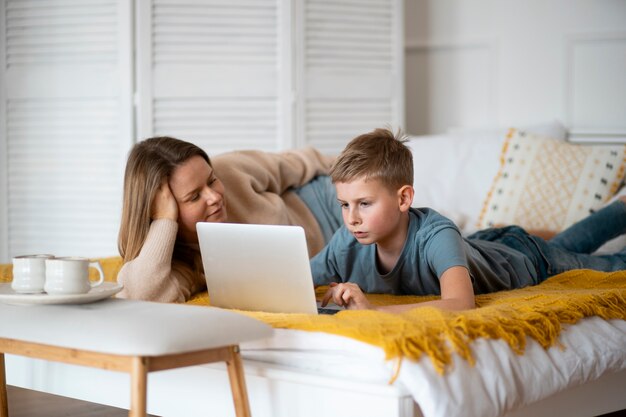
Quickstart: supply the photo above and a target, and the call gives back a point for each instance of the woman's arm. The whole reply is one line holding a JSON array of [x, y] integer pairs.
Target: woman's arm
[[149, 275], [270, 172], [258, 188]]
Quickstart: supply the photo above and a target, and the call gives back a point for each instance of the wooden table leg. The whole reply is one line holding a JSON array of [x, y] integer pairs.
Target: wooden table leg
[[138, 387], [238, 384], [4, 401]]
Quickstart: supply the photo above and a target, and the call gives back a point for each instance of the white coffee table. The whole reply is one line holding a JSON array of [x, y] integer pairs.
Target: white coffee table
[[136, 337]]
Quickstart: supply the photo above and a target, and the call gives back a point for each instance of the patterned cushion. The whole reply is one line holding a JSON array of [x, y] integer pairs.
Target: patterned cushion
[[549, 184]]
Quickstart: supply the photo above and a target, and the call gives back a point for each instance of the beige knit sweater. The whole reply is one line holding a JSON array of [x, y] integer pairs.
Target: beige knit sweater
[[258, 190]]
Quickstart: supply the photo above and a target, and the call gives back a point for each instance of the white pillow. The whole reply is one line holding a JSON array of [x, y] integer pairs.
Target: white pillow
[[453, 176]]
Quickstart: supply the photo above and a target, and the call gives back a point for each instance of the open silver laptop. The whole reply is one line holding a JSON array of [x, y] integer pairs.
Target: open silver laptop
[[257, 267]]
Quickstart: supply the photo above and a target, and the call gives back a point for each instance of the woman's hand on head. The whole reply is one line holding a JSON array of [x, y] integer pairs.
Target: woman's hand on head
[[164, 204], [348, 295]]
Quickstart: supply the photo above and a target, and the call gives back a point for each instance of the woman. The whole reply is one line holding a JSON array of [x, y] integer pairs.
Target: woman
[[170, 185]]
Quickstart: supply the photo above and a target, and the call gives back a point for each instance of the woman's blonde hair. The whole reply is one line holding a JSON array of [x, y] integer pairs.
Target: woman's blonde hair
[[379, 155], [149, 163]]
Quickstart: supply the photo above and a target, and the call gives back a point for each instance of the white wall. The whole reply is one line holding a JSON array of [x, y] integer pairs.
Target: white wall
[[477, 63]]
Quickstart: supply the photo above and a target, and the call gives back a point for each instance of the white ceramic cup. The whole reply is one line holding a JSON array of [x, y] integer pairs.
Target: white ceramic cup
[[29, 273], [70, 275]]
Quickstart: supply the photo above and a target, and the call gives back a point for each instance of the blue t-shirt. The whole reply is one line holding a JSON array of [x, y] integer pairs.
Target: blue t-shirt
[[434, 244]]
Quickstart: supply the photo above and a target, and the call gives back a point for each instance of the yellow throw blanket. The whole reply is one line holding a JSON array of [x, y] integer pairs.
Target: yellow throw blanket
[[538, 312]]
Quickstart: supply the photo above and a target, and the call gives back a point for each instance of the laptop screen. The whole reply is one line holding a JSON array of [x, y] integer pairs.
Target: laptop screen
[[257, 267]]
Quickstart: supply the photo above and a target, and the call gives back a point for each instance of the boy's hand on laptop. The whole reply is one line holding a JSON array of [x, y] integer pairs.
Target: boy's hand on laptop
[[347, 295]]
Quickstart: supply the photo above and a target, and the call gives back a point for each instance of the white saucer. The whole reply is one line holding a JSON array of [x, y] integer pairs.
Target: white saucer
[[107, 289]]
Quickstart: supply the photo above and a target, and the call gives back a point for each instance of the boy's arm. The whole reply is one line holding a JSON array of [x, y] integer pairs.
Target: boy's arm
[[457, 293], [323, 265]]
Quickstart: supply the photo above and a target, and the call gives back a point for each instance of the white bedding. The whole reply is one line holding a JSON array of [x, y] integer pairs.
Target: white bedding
[[500, 381]]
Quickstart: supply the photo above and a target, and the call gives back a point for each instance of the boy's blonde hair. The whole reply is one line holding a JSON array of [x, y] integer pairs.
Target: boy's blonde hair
[[379, 155]]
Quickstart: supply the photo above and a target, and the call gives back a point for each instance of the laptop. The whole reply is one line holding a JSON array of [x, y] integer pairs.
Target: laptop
[[258, 268]]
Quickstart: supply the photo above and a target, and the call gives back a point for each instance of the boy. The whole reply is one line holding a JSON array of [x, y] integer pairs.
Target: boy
[[386, 246]]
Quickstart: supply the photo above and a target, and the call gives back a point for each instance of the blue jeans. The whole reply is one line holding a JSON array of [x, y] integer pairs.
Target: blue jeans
[[320, 196], [572, 248]]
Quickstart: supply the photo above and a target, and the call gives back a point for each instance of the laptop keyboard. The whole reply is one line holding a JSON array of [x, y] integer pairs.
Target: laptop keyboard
[[321, 310]]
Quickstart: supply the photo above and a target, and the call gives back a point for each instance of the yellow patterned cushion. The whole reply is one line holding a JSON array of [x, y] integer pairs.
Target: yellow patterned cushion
[[548, 184]]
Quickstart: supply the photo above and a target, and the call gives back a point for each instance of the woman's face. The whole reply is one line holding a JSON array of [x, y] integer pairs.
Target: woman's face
[[199, 195]]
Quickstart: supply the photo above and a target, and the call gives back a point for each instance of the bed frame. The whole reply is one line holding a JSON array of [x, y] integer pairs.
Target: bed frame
[[276, 391]]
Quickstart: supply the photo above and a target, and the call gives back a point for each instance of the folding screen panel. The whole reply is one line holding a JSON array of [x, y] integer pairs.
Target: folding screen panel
[[210, 71], [351, 66], [269, 74], [66, 120]]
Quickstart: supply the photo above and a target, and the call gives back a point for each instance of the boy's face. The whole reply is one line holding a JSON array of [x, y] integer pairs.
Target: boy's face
[[371, 211]]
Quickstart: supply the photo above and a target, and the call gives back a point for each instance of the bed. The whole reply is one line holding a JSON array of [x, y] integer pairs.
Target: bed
[[305, 372], [554, 349]]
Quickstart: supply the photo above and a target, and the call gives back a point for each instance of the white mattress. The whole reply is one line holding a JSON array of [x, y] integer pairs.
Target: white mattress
[[500, 381], [321, 353]]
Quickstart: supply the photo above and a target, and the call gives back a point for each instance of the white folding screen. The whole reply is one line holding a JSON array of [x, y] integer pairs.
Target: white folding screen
[[212, 72], [350, 66], [269, 74], [66, 124], [83, 79]]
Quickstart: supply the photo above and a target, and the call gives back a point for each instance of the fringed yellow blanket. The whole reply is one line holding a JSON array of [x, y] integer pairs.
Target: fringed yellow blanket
[[538, 312]]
